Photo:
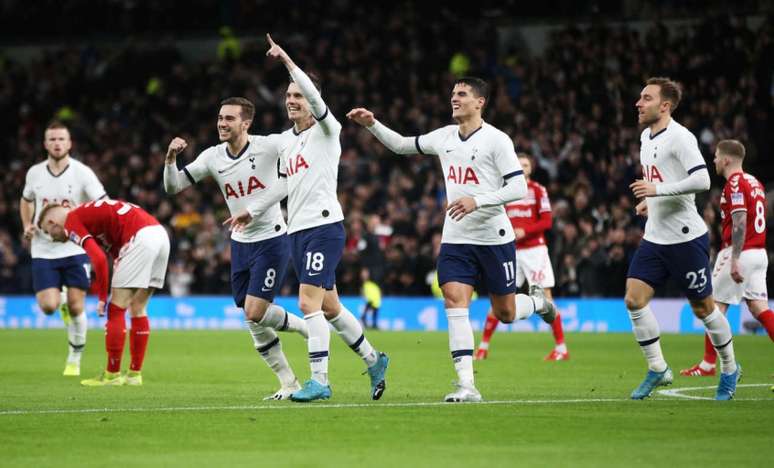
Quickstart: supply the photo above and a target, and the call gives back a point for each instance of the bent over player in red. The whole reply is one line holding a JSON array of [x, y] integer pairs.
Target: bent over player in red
[[140, 249], [531, 218], [740, 268]]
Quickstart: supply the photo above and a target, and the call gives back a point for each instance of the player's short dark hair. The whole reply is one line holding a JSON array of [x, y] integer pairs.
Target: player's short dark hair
[[45, 211], [670, 90], [248, 109], [480, 87], [733, 148], [315, 80]]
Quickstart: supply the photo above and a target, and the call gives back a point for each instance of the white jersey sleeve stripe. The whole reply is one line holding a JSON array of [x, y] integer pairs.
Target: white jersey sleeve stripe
[[513, 174], [416, 143], [188, 174], [322, 117]]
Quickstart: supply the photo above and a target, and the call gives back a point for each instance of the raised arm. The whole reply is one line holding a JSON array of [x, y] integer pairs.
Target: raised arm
[[175, 180], [316, 104], [393, 140]]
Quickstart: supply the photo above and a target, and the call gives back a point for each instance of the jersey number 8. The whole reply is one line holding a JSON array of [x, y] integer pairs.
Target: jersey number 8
[[760, 217]]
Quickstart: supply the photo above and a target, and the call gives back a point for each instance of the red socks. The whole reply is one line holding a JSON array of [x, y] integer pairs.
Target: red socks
[[115, 336], [710, 355], [557, 330], [138, 341], [489, 328], [767, 320]]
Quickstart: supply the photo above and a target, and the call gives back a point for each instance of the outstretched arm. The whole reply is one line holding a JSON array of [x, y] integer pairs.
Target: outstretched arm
[[393, 140], [316, 104]]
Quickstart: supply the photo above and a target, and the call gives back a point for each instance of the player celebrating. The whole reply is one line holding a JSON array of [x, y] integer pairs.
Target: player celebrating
[[310, 160], [140, 249], [530, 217], [244, 166], [65, 181], [740, 268], [675, 241], [482, 174]]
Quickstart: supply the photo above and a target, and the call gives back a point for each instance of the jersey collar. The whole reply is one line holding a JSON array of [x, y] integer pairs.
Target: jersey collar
[[660, 131], [240, 153], [471, 133], [57, 175]]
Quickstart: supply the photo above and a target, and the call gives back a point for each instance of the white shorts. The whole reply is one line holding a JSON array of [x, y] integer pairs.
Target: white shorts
[[753, 264], [142, 262], [534, 265]]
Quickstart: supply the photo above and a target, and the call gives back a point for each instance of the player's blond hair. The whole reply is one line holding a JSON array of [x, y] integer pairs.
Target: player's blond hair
[[46, 209], [733, 148]]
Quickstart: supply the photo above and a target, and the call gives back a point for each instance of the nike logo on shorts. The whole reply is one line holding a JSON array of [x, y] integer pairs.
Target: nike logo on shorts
[[314, 274], [509, 283]]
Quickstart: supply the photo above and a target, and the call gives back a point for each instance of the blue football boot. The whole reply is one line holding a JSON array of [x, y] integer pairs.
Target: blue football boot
[[652, 380], [727, 384], [312, 390], [377, 373]]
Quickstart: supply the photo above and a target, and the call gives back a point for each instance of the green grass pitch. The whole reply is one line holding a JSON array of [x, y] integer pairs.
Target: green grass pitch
[[201, 406]]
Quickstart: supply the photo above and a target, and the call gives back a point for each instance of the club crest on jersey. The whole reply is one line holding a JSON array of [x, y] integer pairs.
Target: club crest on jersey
[[460, 175], [737, 198], [242, 189], [296, 164], [252, 163], [651, 173]]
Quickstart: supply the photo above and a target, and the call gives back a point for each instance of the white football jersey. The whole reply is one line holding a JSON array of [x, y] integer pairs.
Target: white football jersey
[[310, 159], [670, 156], [242, 179], [75, 185], [473, 166]]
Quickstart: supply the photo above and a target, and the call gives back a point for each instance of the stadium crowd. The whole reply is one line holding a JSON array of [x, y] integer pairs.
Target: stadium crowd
[[572, 108]]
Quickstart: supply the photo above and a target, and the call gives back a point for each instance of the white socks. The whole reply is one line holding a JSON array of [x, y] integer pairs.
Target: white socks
[[267, 343], [279, 319], [527, 305], [646, 332], [76, 336], [719, 332], [318, 345], [351, 331], [461, 344]]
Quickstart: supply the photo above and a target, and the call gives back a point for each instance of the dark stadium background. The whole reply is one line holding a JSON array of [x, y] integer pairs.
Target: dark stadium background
[[128, 76]]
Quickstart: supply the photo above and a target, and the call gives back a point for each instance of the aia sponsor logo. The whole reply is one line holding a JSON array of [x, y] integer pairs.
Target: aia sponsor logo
[[296, 164], [242, 189], [651, 173], [462, 175]]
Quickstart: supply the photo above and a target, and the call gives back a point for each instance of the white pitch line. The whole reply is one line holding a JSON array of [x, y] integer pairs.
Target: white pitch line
[[283, 406], [677, 392]]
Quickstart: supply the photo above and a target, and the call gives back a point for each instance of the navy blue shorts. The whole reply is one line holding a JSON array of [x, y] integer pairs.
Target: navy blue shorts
[[258, 268], [316, 254], [490, 268], [70, 271], [687, 263]]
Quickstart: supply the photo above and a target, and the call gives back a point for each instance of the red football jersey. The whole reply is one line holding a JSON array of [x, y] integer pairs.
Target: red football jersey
[[533, 214], [744, 192], [111, 222]]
